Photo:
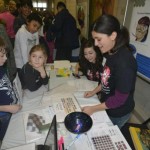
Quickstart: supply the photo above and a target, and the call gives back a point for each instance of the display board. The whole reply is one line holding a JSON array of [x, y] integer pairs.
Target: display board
[[140, 38]]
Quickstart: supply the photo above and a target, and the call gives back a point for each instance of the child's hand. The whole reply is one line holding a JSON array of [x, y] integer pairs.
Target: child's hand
[[42, 71], [14, 108]]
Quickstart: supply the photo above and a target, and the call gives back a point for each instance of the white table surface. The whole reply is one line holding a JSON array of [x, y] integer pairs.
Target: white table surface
[[15, 134]]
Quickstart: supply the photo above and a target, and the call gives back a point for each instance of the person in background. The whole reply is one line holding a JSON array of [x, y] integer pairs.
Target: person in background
[[48, 35], [26, 7], [12, 7], [76, 51], [8, 100], [119, 72], [33, 74], [48, 17], [18, 11], [66, 33], [90, 62], [26, 37], [8, 19]]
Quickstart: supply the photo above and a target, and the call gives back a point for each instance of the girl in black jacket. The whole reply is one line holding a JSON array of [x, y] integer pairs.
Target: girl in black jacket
[[33, 74]]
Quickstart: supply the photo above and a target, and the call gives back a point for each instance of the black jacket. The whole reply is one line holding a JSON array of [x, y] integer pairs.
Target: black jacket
[[65, 30], [31, 79]]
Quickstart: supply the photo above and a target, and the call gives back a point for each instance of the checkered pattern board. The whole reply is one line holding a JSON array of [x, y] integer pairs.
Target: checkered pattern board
[[105, 143], [34, 122]]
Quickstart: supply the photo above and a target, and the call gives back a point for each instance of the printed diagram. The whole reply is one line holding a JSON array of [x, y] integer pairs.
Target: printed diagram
[[35, 122]]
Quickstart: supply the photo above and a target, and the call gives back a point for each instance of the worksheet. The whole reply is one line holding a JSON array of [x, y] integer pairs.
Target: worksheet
[[37, 123], [61, 104], [107, 138]]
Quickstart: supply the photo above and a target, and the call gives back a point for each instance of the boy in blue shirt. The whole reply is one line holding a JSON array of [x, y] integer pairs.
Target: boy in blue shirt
[[8, 100]]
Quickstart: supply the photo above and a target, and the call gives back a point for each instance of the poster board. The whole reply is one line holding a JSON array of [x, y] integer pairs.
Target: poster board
[[139, 26]]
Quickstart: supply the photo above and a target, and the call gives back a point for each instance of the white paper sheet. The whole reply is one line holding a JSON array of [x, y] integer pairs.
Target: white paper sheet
[[62, 104], [83, 84], [30, 146], [111, 135], [43, 115]]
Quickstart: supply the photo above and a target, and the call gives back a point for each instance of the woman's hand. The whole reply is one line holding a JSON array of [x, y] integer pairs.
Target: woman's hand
[[92, 109], [89, 94], [88, 110]]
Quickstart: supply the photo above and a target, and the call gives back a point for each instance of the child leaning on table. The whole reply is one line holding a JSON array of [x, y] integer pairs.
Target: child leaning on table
[[8, 98], [33, 74]]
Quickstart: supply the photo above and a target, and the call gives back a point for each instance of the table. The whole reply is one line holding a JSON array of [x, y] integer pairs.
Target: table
[[15, 134]]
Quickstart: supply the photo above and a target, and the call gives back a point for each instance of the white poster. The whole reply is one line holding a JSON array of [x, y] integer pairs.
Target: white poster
[[140, 38]]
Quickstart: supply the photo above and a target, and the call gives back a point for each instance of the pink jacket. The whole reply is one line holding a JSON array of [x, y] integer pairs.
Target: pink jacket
[[9, 20]]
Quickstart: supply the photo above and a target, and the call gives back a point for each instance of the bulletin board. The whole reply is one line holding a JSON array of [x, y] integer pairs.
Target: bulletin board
[[140, 38]]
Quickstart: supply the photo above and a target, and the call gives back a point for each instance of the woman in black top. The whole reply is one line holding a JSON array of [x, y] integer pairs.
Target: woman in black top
[[119, 73]]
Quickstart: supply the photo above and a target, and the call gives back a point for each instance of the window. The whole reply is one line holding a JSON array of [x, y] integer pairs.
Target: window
[[40, 5]]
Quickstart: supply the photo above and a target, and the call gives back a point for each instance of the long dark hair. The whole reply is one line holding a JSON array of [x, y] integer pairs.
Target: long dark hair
[[83, 62], [107, 24]]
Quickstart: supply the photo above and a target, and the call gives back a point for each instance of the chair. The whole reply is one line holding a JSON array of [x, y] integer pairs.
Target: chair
[[125, 130]]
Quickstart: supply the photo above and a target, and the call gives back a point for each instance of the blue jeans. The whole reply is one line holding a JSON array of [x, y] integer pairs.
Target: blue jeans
[[4, 124], [120, 121]]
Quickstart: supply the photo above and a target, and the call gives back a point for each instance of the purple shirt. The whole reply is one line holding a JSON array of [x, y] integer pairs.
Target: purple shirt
[[117, 100]]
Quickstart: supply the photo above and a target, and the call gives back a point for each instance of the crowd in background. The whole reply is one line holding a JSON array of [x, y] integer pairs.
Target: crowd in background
[[58, 33]]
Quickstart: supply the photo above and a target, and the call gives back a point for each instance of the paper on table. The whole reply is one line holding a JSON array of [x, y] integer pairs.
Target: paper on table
[[83, 84], [82, 141], [100, 117], [111, 136], [80, 94], [33, 120], [30, 146], [62, 104]]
